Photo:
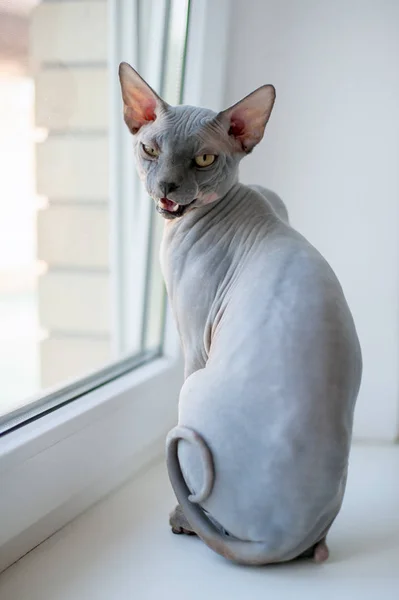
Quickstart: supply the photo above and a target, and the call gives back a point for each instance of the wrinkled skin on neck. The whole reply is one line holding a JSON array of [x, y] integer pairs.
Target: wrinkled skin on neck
[[200, 264]]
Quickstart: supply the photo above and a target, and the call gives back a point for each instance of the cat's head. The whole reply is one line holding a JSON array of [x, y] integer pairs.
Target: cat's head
[[188, 156]]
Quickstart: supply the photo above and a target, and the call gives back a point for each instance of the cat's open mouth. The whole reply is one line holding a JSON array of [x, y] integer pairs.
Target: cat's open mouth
[[170, 209]]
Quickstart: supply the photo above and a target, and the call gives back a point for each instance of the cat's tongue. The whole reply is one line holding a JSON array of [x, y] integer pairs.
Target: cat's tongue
[[168, 205]]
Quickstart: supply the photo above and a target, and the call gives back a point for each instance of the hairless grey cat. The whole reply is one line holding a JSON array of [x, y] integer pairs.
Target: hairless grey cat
[[259, 458]]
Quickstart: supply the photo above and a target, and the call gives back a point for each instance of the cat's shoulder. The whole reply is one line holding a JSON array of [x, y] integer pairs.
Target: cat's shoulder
[[270, 198]]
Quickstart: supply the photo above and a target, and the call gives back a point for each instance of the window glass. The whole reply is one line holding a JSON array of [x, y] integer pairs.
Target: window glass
[[80, 285]]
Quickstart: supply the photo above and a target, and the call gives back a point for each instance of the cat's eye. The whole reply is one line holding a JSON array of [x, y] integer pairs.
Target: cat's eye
[[205, 160], [153, 152]]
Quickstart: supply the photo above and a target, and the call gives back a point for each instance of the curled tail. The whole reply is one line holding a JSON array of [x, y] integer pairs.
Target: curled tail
[[189, 435], [243, 552]]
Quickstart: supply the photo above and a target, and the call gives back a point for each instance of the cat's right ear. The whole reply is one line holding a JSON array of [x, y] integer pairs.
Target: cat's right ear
[[141, 104]]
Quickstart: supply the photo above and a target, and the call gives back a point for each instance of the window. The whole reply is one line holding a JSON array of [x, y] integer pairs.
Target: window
[[80, 286], [66, 447]]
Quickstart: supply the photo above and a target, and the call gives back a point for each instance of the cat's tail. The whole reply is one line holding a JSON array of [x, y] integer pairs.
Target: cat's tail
[[243, 552], [175, 473]]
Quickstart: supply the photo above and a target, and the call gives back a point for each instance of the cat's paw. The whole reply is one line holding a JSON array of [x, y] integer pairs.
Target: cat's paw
[[179, 523], [321, 552]]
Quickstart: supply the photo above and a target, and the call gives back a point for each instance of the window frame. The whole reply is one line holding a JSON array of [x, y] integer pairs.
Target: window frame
[[56, 466]]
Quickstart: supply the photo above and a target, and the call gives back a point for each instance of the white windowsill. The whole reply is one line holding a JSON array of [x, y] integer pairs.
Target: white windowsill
[[122, 549]]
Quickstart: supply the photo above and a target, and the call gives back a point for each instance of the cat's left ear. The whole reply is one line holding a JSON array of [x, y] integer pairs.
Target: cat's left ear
[[141, 104], [246, 120]]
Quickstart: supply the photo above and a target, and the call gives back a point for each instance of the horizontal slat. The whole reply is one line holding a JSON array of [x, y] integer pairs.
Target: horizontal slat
[[69, 32], [65, 358], [73, 236], [74, 302], [68, 167], [72, 98]]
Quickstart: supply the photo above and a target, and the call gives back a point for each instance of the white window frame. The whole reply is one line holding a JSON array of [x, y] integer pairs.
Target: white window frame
[[56, 466]]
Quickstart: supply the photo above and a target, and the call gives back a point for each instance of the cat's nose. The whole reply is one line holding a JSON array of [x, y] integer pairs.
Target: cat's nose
[[168, 187]]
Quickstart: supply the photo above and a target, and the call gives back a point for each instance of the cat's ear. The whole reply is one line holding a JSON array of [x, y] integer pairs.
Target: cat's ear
[[141, 104], [246, 120]]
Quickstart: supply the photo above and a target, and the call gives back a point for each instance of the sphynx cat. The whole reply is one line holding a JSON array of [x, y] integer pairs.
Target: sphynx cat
[[259, 458]]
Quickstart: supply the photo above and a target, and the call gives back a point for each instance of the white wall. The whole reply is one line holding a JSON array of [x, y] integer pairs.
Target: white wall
[[332, 152]]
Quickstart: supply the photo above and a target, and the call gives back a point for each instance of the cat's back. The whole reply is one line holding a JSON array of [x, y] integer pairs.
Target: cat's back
[[285, 298]]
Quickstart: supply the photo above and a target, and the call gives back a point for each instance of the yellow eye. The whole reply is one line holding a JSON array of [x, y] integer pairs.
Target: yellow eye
[[150, 151], [205, 160]]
